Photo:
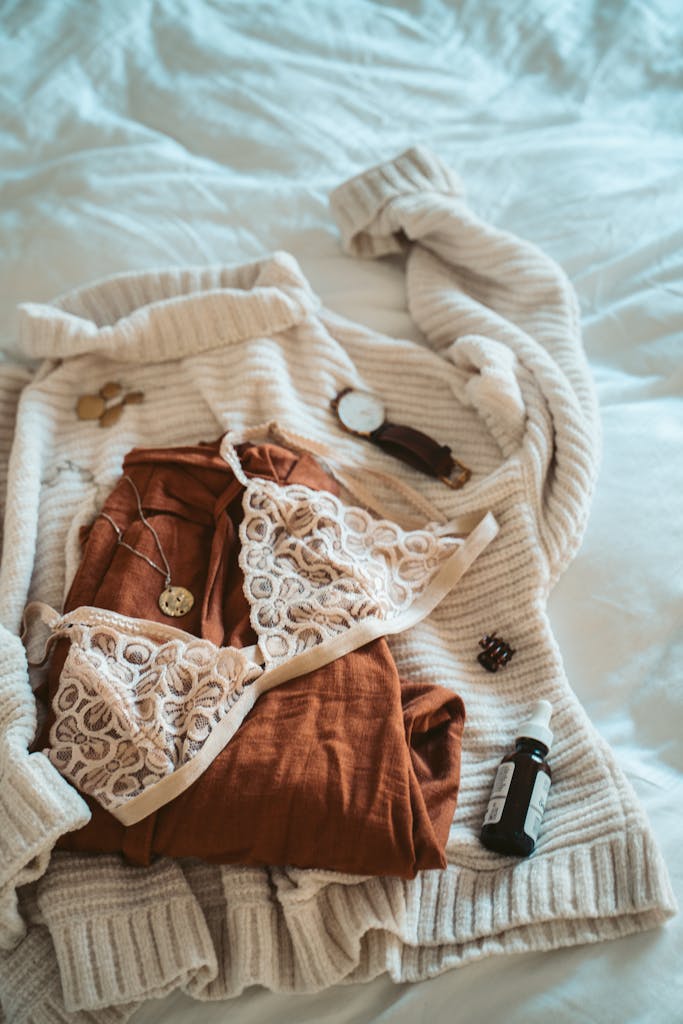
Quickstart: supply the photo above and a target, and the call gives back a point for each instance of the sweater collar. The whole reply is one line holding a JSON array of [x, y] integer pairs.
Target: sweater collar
[[161, 315]]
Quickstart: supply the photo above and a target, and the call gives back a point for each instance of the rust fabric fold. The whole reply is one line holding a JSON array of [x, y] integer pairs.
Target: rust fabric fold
[[346, 768]]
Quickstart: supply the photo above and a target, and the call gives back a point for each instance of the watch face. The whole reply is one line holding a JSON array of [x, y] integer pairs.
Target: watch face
[[360, 411]]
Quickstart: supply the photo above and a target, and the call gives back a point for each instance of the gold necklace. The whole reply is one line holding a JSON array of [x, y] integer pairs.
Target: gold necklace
[[173, 601]]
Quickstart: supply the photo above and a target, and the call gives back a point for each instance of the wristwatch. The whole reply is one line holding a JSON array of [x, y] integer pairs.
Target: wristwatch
[[362, 413]]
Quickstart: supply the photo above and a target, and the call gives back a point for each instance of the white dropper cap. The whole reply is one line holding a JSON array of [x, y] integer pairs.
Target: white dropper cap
[[536, 725]]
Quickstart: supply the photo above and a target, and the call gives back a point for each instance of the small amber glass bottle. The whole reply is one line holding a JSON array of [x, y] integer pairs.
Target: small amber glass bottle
[[520, 789]]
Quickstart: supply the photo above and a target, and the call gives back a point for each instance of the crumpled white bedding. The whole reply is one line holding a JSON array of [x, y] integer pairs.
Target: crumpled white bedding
[[152, 133]]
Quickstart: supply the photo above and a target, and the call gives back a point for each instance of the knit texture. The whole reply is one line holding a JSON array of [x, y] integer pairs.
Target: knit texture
[[502, 379]]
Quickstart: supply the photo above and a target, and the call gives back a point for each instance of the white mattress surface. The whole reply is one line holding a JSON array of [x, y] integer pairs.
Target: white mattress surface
[[140, 134]]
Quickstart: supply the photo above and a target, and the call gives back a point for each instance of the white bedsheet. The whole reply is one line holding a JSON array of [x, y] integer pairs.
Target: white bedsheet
[[138, 134]]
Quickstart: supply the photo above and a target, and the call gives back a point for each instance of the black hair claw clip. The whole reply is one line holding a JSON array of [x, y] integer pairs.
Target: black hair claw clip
[[496, 653]]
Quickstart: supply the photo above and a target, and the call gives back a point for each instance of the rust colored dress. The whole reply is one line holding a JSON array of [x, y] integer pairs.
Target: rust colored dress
[[346, 768]]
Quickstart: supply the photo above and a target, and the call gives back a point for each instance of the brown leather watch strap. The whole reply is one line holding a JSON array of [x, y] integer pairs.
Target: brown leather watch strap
[[421, 452]]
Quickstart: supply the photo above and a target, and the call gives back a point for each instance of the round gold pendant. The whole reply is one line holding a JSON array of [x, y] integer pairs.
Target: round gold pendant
[[176, 601]]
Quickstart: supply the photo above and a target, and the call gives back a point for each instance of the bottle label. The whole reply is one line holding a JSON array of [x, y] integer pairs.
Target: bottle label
[[501, 785], [534, 815]]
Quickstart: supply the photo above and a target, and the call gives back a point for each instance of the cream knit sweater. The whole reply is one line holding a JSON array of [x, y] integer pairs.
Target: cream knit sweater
[[502, 379]]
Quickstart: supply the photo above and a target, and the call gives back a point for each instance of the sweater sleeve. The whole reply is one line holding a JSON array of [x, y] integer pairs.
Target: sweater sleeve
[[476, 291], [36, 804], [12, 379]]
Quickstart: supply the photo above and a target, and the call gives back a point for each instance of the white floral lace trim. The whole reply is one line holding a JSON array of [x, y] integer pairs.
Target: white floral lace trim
[[313, 567], [140, 701], [131, 709]]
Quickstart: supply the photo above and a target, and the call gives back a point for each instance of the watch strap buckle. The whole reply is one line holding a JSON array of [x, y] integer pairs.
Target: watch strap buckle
[[458, 476]]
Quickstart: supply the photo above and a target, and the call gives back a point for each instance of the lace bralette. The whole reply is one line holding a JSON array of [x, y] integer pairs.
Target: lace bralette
[[143, 708]]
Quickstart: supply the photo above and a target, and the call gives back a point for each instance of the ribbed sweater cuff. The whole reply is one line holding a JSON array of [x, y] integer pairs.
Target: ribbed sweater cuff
[[359, 201], [31, 990], [37, 806], [245, 921], [124, 913]]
